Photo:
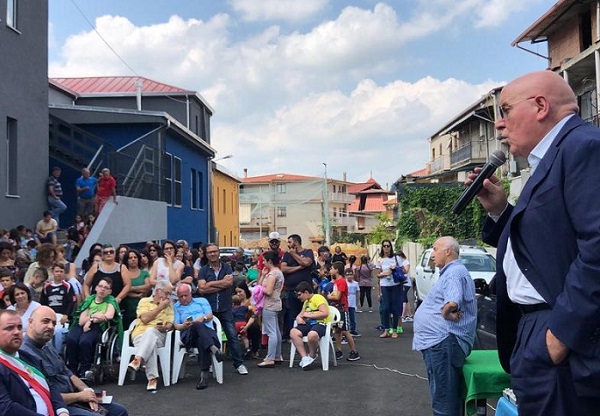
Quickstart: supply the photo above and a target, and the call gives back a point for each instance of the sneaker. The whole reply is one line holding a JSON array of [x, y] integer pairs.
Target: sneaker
[[152, 384], [400, 330], [242, 370], [344, 341], [370, 310], [353, 356], [407, 319], [379, 328], [135, 364], [306, 362], [339, 355], [355, 334], [89, 376], [359, 311]]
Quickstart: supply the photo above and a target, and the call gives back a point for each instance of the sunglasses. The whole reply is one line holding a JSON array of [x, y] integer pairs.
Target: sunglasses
[[152, 249], [108, 252], [386, 245]]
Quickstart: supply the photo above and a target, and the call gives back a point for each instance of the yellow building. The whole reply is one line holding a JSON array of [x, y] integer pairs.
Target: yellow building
[[226, 206]]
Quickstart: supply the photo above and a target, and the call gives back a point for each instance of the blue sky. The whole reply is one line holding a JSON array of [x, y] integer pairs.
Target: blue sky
[[359, 85]]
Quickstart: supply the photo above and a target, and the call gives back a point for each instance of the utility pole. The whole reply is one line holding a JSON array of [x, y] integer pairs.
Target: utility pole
[[326, 207]]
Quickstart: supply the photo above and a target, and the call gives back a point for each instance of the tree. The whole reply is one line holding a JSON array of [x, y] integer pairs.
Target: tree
[[384, 230]]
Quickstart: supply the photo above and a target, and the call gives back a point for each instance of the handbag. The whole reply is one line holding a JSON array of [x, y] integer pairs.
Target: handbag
[[397, 273]]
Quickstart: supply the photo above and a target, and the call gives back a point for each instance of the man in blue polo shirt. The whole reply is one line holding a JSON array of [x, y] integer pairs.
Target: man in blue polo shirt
[[444, 327], [86, 193]]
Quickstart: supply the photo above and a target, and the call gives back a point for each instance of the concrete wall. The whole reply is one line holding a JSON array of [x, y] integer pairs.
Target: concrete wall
[[24, 98], [227, 217]]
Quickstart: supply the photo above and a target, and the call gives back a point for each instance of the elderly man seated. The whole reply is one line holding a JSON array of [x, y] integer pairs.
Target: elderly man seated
[[193, 317], [40, 353], [311, 321], [155, 319]]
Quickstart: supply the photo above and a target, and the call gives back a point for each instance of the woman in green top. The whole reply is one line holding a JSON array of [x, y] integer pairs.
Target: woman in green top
[[140, 287]]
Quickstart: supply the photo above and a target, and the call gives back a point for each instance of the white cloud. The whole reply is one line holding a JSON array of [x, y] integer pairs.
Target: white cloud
[[273, 10], [290, 101]]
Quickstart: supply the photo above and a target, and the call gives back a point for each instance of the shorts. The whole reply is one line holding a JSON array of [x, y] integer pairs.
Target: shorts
[[344, 323], [306, 328], [239, 326]]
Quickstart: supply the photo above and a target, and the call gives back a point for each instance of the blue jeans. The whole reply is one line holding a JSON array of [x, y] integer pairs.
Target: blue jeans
[[57, 207], [226, 319], [292, 308], [114, 409], [81, 348], [391, 303], [444, 363]]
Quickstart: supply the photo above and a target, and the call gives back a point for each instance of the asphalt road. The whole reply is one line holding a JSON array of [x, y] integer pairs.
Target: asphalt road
[[390, 379]]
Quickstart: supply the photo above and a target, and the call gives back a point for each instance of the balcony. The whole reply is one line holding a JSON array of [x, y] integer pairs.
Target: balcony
[[472, 153], [342, 221], [341, 197], [439, 164]]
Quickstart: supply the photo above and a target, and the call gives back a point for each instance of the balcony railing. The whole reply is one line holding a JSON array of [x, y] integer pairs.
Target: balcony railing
[[341, 197], [475, 152]]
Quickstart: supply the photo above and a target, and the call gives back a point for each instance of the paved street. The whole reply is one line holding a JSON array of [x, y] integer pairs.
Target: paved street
[[383, 382]]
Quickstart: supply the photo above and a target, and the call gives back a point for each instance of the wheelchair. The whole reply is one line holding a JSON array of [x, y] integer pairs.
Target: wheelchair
[[105, 366]]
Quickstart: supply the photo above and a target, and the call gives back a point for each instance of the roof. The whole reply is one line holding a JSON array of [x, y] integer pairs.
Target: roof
[[361, 187], [280, 177], [116, 84], [563, 9], [372, 203], [417, 173]]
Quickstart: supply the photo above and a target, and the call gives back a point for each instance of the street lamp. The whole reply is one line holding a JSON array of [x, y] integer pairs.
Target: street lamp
[[326, 207], [223, 158]]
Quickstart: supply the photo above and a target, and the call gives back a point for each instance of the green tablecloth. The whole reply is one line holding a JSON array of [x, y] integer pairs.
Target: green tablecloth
[[483, 378]]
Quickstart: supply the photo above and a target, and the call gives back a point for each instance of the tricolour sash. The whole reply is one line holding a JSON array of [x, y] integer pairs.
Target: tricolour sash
[[31, 374]]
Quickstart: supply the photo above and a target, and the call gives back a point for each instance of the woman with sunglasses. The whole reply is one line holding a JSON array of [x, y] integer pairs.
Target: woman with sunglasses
[[108, 267], [390, 292]]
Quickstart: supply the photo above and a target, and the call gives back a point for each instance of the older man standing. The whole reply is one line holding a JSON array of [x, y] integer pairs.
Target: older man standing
[[193, 317], [155, 319], [444, 327], [86, 193], [215, 281], [39, 352], [548, 277], [24, 391]]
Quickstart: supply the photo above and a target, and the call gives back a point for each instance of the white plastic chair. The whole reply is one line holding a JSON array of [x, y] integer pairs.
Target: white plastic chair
[[325, 342], [179, 351], [128, 350]]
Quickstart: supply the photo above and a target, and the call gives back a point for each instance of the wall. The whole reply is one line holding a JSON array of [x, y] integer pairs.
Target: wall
[[564, 42], [227, 218], [24, 97]]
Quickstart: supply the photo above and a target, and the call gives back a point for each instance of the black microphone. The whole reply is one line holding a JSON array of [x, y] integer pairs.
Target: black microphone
[[497, 159]]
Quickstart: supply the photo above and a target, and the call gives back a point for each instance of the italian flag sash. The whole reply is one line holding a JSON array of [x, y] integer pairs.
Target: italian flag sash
[[31, 374]]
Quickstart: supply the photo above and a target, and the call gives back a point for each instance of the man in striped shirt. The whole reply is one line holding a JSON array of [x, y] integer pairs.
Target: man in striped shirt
[[444, 327]]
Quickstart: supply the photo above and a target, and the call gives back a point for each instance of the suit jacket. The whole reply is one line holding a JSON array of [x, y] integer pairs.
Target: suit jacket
[[15, 398], [555, 234]]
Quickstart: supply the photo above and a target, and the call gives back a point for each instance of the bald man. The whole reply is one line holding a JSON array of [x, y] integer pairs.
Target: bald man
[[548, 277], [193, 317], [39, 352], [444, 327]]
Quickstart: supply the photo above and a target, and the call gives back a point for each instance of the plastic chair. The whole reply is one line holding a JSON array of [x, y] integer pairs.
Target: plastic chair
[[179, 351], [128, 350], [325, 342]]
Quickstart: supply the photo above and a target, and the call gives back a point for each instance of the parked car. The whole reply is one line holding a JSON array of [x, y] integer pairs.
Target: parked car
[[479, 263], [485, 336]]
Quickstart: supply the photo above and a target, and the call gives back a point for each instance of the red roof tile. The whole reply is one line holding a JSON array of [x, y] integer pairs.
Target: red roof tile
[[360, 187], [280, 177], [115, 85]]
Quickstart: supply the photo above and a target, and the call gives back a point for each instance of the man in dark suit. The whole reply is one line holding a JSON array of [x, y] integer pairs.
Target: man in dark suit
[[23, 389], [548, 279]]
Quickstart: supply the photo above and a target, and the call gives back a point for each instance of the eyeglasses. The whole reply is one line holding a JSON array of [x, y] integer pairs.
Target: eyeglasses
[[152, 249], [505, 109], [108, 252], [103, 287], [386, 245]]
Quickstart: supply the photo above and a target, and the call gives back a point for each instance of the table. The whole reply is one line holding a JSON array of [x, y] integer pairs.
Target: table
[[483, 378]]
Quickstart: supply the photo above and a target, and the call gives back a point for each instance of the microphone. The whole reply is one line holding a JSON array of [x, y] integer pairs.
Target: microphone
[[497, 159]]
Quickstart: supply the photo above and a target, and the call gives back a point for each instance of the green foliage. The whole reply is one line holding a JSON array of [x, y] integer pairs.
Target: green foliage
[[427, 214], [384, 230]]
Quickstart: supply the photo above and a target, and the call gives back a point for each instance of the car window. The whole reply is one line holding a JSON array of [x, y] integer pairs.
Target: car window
[[425, 258], [478, 263]]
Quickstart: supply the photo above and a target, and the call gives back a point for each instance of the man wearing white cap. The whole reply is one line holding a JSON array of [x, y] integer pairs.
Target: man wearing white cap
[[274, 242]]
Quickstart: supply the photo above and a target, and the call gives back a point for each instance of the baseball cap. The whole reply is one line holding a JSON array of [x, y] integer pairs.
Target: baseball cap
[[274, 236]]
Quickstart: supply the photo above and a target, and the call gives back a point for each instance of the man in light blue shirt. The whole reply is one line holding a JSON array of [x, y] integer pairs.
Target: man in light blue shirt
[[86, 193], [444, 327], [193, 317]]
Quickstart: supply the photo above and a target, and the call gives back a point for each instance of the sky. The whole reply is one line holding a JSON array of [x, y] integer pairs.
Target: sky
[[304, 86]]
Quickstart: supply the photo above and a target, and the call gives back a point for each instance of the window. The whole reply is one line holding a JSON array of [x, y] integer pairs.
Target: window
[[194, 189], [281, 188], [281, 212], [168, 161], [217, 201], [335, 211], [282, 231], [200, 190], [11, 13], [224, 201], [12, 156], [177, 182]]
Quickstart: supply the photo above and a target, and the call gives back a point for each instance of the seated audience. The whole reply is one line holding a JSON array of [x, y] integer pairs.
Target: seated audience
[[193, 317], [37, 351], [155, 319], [46, 229], [21, 301], [60, 297]]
